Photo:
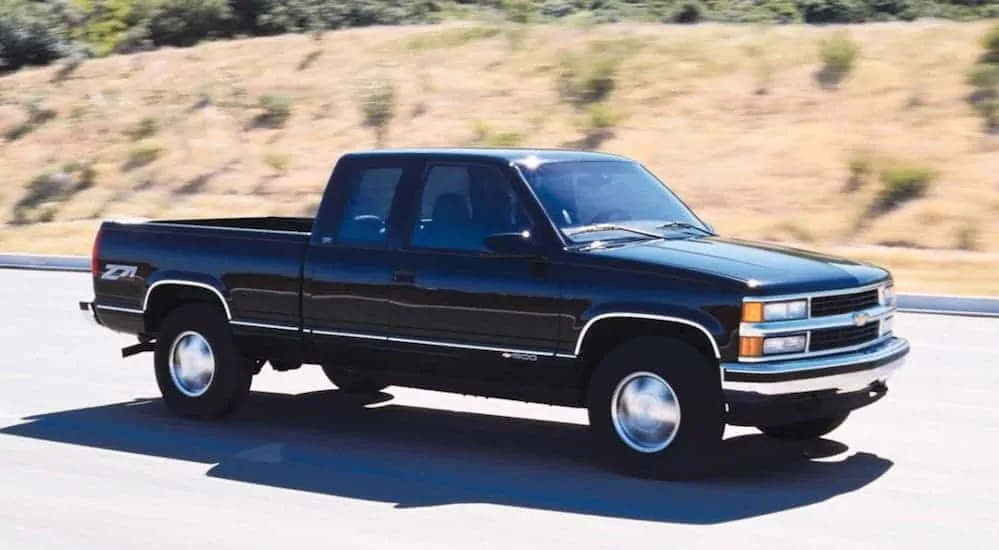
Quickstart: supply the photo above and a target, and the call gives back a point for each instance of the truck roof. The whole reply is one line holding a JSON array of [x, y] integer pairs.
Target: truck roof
[[505, 154]]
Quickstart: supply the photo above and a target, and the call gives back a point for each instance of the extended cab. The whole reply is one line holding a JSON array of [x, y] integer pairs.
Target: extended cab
[[562, 277]]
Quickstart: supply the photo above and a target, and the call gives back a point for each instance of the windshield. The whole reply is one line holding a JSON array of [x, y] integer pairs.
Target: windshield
[[616, 194]]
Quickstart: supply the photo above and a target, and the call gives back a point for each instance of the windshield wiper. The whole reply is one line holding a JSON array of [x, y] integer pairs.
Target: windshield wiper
[[611, 227], [684, 225]]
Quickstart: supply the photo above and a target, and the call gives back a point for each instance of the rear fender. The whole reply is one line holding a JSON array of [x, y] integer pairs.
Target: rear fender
[[203, 287]]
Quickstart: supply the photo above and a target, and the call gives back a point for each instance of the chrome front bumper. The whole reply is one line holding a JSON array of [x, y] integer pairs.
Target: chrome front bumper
[[840, 373]]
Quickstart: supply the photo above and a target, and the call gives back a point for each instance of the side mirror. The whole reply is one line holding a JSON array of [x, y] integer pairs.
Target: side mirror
[[514, 244]]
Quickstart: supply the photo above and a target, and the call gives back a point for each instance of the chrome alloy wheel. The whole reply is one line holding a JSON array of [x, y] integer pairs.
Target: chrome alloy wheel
[[645, 412], [192, 363]]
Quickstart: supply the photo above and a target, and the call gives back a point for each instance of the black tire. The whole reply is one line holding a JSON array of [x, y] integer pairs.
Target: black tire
[[809, 429], [350, 381], [227, 387], [695, 384]]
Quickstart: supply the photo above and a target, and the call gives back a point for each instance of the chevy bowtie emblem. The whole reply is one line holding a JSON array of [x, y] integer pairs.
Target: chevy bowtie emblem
[[860, 318]]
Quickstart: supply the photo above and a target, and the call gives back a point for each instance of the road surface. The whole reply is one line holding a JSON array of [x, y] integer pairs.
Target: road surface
[[90, 460]]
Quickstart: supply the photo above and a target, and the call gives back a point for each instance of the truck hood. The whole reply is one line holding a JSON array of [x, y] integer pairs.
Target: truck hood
[[768, 268]]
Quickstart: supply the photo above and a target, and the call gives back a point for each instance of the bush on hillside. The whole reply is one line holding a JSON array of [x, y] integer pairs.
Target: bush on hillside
[[839, 56], [34, 33], [187, 22], [587, 77], [983, 77], [107, 23], [377, 102], [902, 183]]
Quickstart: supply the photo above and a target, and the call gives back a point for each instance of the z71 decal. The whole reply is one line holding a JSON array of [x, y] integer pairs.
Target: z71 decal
[[115, 272]]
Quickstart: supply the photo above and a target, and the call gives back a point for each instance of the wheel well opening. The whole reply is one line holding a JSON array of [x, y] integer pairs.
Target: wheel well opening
[[606, 334], [170, 296]]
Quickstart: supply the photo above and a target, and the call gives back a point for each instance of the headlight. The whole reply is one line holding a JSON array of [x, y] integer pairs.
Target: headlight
[[755, 312], [756, 346], [784, 344], [888, 296]]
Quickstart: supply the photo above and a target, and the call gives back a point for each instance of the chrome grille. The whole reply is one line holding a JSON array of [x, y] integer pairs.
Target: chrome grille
[[842, 337], [823, 306], [830, 327]]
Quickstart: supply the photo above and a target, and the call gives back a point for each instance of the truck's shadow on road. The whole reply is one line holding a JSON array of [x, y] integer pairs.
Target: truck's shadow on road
[[329, 443]]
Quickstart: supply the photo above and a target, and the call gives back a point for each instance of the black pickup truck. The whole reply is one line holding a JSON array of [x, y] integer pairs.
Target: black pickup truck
[[563, 277]]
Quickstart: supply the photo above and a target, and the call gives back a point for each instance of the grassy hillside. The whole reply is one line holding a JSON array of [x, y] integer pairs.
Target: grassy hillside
[[732, 117]]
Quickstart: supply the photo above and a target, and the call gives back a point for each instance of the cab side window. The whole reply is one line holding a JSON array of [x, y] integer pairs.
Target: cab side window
[[462, 204], [367, 210]]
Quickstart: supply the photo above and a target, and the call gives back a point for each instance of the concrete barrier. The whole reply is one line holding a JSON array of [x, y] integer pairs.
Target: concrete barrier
[[47, 263]]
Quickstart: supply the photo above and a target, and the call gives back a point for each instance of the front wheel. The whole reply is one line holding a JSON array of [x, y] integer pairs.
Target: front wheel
[[655, 408], [809, 429]]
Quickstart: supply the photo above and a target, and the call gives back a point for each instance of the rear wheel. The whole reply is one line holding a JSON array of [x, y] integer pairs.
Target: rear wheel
[[810, 429], [655, 408], [351, 381], [198, 371]]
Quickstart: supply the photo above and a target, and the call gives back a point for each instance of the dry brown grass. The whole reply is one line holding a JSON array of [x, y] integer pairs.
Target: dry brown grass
[[772, 165]]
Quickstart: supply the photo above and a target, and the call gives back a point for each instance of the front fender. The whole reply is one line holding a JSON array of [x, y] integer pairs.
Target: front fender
[[711, 326]]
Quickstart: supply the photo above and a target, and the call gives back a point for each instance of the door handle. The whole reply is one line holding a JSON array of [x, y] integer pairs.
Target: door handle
[[406, 277]]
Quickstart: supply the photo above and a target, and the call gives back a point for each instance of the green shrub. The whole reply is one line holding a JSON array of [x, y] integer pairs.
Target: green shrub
[[485, 135], [38, 114], [903, 182], [187, 22], [688, 11], [834, 11], [519, 11], [147, 127], [278, 162], [861, 164], [839, 55], [141, 156], [506, 139], [983, 77], [33, 33], [276, 111], [46, 191], [108, 22], [990, 43], [601, 117], [377, 104], [969, 236], [585, 78], [988, 110]]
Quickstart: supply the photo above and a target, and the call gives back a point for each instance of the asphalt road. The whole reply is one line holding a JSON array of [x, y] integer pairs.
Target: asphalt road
[[89, 459]]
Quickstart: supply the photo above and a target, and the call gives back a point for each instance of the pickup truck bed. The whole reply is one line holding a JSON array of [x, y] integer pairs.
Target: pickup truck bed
[[267, 223], [258, 261], [562, 277]]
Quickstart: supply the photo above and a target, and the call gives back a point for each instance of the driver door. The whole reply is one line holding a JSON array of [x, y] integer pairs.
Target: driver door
[[455, 296]]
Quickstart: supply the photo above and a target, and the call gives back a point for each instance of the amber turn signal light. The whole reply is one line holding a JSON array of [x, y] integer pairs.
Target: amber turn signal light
[[752, 312], [751, 346]]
